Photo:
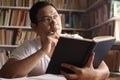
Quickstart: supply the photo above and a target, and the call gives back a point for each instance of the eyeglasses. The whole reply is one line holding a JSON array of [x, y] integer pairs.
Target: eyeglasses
[[47, 20]]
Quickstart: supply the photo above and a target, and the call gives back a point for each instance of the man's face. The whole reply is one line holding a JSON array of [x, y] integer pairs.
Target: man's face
[[48, 22]]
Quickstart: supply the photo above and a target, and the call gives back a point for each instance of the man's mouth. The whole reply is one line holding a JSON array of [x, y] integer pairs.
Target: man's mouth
[[52, 32]]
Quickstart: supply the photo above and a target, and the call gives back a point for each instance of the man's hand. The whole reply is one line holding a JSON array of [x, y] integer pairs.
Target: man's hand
[[49, 42], [88, 72]]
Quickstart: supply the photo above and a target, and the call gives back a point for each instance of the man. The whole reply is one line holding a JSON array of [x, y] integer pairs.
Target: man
[[32, 57]]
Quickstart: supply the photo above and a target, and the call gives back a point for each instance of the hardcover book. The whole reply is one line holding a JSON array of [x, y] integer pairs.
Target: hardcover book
[[77, 52]]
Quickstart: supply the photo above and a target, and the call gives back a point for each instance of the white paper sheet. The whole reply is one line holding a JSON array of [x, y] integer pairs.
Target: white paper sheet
[[41, 77]]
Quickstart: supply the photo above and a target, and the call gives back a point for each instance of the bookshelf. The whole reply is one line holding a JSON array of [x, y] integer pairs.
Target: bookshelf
[[105, 20], [8, 9], [103, 13]]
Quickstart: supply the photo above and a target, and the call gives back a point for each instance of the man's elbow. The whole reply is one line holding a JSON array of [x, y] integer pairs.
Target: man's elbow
[[10, 75], [107, 73]]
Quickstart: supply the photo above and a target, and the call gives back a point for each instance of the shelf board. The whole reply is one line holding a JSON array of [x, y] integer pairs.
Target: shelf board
[[28, 8], [14, 7], [71, 10], [97, 3], [8, 47], [16, 27], [100, 24], [29, 28], [74, 29]]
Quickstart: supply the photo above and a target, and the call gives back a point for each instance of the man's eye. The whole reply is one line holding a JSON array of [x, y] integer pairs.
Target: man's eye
[[55, 16], [48, 19]]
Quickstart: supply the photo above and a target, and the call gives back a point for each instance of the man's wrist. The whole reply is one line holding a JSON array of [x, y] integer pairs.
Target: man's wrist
[[101, 75]]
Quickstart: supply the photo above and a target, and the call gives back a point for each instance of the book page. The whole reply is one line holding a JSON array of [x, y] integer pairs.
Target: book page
[[103, 38], [41, 77], [75, 36], [48, 77]]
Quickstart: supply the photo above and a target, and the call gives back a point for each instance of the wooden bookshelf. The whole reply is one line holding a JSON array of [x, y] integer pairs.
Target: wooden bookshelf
[[103, 22], [7, 47]]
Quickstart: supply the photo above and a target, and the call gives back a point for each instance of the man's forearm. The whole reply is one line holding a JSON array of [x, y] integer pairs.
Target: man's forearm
[[102, 71], [20, 68]]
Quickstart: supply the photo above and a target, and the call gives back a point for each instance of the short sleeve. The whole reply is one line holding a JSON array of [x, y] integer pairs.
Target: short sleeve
[[26, 49]]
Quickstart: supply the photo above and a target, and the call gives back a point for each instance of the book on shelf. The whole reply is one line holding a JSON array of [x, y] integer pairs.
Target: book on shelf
[[7, 17], [20, 16], [14, 17], [77, 51], [2, 36], [9, 37]]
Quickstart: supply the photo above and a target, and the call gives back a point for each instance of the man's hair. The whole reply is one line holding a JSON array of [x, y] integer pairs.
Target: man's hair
[[37, 6]]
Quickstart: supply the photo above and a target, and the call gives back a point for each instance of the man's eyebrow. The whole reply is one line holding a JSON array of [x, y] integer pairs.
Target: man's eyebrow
[[48, 15], [54, 12], [43, 17]]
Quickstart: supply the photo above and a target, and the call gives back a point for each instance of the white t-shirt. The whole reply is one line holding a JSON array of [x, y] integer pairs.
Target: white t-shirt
[[28, 48]]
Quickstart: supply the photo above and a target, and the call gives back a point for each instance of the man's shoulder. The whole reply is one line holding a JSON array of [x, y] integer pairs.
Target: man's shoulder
[[31, 42], [28, 44]]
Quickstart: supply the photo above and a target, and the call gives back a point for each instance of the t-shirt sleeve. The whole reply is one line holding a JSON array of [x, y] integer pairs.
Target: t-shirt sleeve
[[26, 49], [21, 52]]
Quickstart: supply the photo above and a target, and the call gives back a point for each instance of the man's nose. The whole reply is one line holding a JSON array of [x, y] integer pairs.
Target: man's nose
[[53, 25]]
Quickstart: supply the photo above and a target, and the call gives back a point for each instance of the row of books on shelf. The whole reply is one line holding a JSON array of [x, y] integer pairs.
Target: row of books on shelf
[[73, 21], [104, 12], [13, 17], [60, 4], [18, 36], [19, 3], [15, 37], [4, 56]]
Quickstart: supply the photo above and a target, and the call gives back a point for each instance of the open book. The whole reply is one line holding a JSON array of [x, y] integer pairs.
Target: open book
[[77, 52]]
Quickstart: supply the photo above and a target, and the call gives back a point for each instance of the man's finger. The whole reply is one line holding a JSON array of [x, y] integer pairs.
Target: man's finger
[[90, 61], [71, 67]]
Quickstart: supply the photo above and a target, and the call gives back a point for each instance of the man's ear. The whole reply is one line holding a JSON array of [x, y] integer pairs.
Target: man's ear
[[33, 26]]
